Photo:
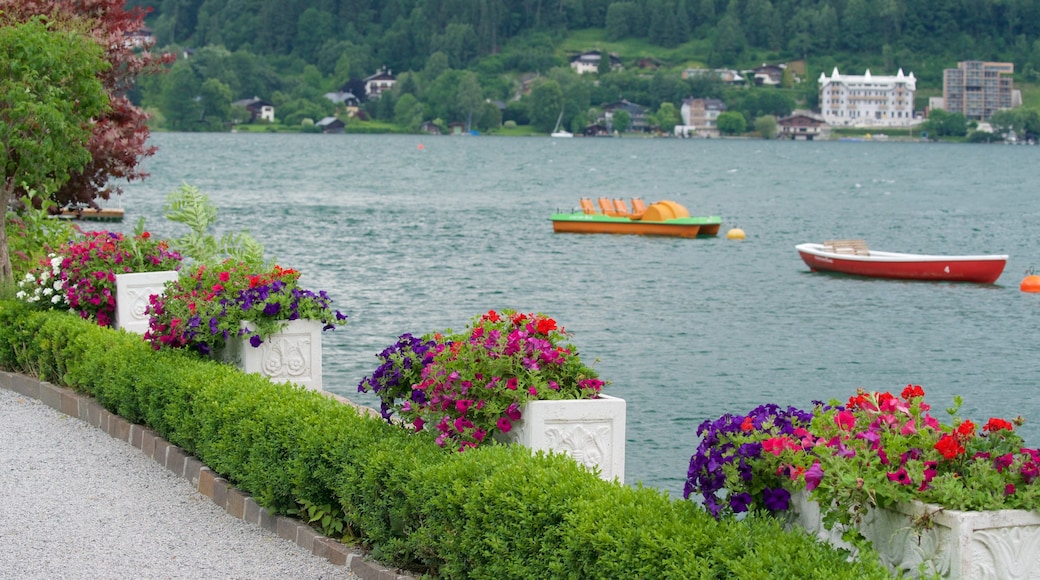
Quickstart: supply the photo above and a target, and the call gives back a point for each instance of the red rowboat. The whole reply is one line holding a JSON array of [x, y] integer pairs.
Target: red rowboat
[[853, 257]]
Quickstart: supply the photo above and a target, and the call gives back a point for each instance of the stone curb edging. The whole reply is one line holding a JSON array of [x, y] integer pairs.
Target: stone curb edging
[[208, 483]]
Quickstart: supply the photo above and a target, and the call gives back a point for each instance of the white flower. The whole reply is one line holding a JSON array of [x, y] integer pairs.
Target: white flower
[[56, 263], [47, 291], [29, 278], [58, 285], [20, 295], [57, 299]]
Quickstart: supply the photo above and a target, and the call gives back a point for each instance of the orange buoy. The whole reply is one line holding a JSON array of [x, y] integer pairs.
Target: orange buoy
[[421, 147], [1030, 283]]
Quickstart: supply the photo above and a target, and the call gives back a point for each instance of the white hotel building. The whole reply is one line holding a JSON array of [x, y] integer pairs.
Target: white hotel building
[[868, 101]]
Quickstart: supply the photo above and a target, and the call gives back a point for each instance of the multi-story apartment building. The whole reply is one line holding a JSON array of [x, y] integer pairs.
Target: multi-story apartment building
[[700, 118], [978, 89], [867, 100]]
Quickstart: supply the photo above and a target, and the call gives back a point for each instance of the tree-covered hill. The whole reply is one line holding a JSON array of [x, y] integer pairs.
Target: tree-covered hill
[[401, 34], [292, 51]]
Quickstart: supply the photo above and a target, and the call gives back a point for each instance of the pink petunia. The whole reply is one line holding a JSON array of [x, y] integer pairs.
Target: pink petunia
[[845, 420], [900, 476], [813, 476]]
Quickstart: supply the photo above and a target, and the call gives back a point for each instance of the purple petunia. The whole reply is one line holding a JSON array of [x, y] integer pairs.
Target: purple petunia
[[776, 499], [739, 502]]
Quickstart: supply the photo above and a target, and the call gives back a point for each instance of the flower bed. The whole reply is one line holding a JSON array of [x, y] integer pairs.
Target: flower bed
[[469, 386], [856, 459], [81, 275], [205, 309]]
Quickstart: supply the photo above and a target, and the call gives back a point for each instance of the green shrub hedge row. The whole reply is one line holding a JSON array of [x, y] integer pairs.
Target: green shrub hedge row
[[496, 512]]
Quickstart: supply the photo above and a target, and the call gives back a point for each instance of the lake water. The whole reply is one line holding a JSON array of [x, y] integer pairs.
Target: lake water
[[417, 233]]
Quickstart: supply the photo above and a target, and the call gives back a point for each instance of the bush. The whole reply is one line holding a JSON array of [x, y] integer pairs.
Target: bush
[[498, 511]]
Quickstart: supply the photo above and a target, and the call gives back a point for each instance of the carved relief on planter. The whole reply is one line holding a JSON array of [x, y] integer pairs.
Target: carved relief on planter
[[133, 292], [998, 545], [592, 431], [292, 355]]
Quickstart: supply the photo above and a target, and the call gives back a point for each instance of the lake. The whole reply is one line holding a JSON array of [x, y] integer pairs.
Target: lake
[[420, 233]]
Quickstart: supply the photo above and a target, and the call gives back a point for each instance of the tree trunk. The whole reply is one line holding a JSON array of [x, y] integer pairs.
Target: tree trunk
[[6, 274]]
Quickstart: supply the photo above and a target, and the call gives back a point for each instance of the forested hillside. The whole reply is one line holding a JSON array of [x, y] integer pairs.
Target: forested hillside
[[268, 44]]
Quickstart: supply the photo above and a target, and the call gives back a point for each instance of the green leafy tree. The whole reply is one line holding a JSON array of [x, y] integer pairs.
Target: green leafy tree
[[408, 112], [295, 111], [181, 104], [313, 29], [490, 117], [731, 123], [120, 133], [545, 104], [766, 126], [667, 117], [618, 21], [216, 104], [621, 120], [49, 92], [1031, 123], [945, 124], [729, 40], [469, 97], [1007, 120]]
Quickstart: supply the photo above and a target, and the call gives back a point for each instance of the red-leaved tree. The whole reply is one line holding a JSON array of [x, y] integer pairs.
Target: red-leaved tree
[[120, 136]]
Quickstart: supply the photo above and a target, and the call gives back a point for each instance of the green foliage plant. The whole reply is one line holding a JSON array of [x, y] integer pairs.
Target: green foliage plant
[[32, 233], [189, 206]]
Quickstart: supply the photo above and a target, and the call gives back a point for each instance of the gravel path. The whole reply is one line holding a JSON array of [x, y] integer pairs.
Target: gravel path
[[76, 503]]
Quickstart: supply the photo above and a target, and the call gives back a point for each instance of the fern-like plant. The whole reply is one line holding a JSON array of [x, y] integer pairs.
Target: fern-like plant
[[189, 206]]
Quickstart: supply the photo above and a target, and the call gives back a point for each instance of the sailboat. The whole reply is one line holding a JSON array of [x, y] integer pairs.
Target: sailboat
[[558, 132]]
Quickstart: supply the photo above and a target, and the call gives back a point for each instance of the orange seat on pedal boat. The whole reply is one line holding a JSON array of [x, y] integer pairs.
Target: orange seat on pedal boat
[[621, 208]]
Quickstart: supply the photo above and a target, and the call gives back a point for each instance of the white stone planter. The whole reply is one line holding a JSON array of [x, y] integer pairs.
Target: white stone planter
[[997, 545], [292, 355], [592, 431], [132, 295]]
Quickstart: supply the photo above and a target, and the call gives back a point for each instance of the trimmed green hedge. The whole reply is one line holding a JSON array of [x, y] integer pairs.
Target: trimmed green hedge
[[495, 512]]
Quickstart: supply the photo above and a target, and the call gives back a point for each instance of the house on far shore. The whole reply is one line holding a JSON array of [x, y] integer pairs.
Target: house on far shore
[[258, 109], [803, 126], [330, 125], [727, 76], [430, 128], [345, 98], [588, 62], [143, 37], [637, 114], [768, 75], [376, 84], [596, 130]]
